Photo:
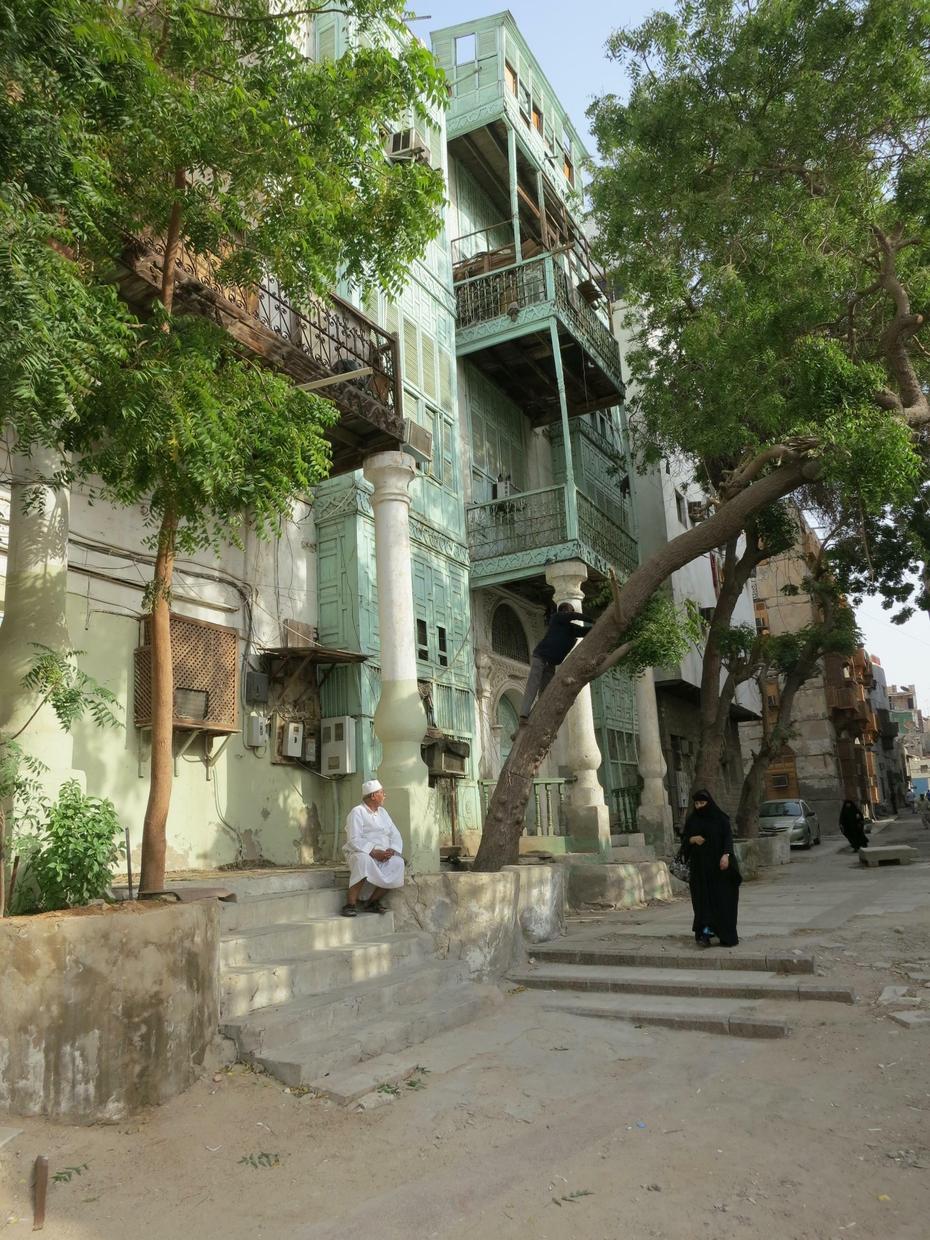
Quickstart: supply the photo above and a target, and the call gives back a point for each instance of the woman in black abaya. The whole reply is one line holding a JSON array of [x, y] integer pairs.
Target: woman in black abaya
[[852, 824], [707, 846]]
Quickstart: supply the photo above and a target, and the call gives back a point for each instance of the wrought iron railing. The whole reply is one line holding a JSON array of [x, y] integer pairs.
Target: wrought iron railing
[[333, 336], [521, 522], [590, 330], [624, 809], [604, 536], [500, 293], [545, 808]]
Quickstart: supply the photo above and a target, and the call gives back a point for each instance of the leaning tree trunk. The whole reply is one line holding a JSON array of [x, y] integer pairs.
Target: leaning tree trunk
[[747, 812], [503, 822], [716, 699], [152, 877]]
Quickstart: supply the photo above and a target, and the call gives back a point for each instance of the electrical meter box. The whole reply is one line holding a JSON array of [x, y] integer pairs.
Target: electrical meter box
[[293, 741], [337, 745], [256, 731]]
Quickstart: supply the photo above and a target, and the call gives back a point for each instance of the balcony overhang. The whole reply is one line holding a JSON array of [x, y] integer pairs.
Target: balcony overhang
[[504, 326], [320, 342]]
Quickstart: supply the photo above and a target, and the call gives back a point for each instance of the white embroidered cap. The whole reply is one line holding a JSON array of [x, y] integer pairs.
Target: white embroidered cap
[[370, 786]]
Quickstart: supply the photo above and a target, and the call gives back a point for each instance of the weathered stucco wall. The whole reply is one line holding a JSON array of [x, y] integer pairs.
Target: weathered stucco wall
[[104, 1013], [484, 919], [758, 854]]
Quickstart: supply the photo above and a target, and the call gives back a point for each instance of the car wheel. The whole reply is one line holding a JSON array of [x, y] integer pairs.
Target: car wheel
[[809, 841], [819, 838]]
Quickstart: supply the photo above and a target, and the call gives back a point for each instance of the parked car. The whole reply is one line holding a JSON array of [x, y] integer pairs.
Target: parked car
[[795, 819]]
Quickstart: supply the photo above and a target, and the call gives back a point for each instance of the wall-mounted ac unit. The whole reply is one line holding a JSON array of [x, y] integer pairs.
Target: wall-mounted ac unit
[[205, 660], [418, 441], [406, 146], [697, 510], [337, 745], [447, 758]]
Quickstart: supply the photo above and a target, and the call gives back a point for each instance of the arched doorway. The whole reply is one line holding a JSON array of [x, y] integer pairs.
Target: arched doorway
[[507, 721]]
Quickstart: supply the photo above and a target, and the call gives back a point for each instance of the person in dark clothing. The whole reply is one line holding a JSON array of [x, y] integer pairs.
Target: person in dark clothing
[[707, 846], [565, 627], [852, 824]]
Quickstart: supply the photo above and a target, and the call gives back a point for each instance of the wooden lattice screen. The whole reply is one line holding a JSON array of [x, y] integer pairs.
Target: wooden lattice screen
[[206, 676]]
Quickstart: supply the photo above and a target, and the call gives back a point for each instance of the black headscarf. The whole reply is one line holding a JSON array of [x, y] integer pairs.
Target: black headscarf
[[707, 814], [850, 814]]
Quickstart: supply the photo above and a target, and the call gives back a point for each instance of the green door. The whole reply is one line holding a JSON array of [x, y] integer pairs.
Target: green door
[[509, 722]]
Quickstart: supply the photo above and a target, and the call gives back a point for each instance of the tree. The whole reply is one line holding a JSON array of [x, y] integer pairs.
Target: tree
[[760, 204], [202, 129]]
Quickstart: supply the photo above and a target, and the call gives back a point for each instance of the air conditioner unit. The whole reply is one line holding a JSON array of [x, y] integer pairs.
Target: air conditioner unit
[[503, 488], [406, 146], [697, 510], [447, 758], [418, 441], [337, 745]]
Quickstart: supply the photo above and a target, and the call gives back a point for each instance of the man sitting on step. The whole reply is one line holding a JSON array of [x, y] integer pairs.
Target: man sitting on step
[[373, 849]]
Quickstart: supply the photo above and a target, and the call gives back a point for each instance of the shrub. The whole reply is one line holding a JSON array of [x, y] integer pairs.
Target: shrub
[[77, 848]]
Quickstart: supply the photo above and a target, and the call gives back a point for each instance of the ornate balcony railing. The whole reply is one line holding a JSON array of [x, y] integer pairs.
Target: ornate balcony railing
[[501, 293], [586, 325], [545, 809], [327, 337], [519, 523], [604, 536]]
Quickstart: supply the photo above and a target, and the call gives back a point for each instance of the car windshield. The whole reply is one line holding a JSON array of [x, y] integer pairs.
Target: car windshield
[[780, 809]]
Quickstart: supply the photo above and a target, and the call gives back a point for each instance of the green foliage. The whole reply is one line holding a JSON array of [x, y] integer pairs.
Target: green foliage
[[743, 182], [75, 850], [662, 635], [886, 554]]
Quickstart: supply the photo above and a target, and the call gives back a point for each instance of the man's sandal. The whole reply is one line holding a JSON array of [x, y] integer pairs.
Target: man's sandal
[[349, 910], [375, 906]]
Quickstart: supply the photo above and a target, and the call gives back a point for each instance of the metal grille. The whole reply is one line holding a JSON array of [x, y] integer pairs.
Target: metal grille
[[604, 536], [205, 658], [500, 293], [522, 522], [508, 636]]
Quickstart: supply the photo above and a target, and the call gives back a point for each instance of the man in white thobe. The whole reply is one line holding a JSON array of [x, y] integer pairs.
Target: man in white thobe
[[373, 849]]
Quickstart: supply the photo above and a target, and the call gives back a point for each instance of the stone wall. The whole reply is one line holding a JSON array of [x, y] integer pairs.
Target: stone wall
[[758, 854], [104, 1012], [484, 919]]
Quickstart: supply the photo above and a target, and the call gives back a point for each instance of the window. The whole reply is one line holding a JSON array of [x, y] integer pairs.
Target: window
[[466, 49], [422, 641], [682, 508], [508, 637], [568, 169], [524, 96], [442, 646], [779, 781], [510, 77], [537, 118], [772, 701]]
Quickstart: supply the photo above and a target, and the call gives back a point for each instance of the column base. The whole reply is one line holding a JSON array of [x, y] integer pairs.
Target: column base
[[414, 815], [589, 828], [659, 830]]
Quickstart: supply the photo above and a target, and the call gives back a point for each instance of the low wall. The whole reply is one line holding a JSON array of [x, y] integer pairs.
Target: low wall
[[615, 885], [758, 854], [483, 919], [107, 1011]]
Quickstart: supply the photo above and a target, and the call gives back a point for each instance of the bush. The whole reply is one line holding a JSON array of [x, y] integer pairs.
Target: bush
[[76, 849]]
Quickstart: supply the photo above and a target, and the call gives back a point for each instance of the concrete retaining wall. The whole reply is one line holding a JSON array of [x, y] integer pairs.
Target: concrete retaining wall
[[758, 854], [617, 885], [483, 919], [105, 1012]]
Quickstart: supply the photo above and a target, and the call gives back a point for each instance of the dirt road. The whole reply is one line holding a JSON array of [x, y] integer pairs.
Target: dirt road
[[566, 1127]]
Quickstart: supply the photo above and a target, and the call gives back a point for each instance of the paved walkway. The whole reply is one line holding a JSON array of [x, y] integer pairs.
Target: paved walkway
[[821, 889]]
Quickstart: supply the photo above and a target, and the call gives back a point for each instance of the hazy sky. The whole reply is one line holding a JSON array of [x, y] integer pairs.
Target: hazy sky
[[568, 41]]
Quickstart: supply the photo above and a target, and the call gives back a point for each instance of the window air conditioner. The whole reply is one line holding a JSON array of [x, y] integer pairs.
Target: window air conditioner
[[447, 758], [406, 146], [418, 441], [337, 745]]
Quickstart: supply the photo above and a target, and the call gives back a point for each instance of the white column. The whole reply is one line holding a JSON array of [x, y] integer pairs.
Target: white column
[[35, 608], [587, 816], [400, 722], [655, 818]]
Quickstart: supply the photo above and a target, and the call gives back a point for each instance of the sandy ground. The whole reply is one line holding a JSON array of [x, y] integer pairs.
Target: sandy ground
[[555, 1126]]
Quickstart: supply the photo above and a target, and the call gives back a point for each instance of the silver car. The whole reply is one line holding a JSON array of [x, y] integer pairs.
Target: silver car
[[796, 819]]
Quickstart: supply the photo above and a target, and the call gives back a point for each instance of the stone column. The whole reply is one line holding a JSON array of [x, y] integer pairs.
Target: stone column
[[586, 813], [655, 818], [35, 609], [399, 719]]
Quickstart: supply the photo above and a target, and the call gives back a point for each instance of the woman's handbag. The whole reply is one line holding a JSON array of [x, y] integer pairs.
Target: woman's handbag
[[679, 868]]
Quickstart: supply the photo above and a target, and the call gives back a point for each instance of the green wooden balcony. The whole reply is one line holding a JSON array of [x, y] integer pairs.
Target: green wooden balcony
[[503, 323], [515, 538]]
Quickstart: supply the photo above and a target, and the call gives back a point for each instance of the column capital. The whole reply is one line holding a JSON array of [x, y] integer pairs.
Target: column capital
[[566, 579], [390, 473]]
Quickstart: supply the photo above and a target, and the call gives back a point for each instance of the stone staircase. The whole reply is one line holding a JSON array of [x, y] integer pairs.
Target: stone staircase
[[307, 994], [708, 991]]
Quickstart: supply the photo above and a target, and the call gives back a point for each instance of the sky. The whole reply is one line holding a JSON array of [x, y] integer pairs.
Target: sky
[[568, 41]]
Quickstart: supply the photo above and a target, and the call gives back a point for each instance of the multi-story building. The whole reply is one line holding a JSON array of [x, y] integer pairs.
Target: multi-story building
[[477, 471], [887, 750], [540, 387]]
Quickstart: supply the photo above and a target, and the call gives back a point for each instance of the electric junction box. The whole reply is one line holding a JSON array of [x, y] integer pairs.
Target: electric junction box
[[256, 731], [293, 742]]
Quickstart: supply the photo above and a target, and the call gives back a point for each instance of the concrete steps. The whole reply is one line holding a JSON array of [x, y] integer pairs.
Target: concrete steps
[[305, 992], [712, 991]]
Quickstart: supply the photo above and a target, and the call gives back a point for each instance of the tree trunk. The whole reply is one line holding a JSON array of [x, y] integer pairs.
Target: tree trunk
[[152, 877], [747, 813], [716, 699], [503, 823]]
